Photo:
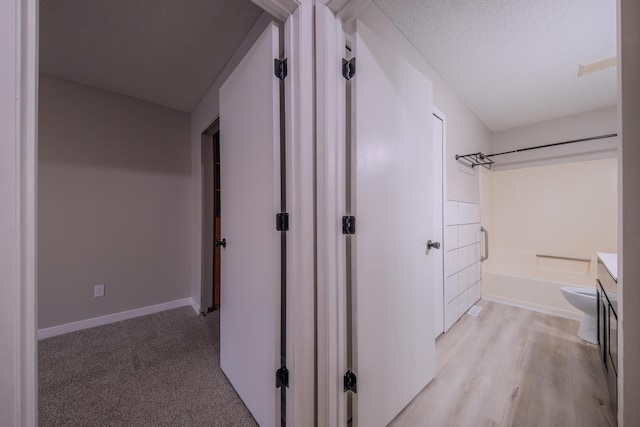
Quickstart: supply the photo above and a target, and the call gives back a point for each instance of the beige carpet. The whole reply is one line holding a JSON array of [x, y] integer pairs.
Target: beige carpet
[[157, 370]]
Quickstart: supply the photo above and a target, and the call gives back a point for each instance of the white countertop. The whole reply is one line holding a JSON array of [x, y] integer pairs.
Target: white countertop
[[610, 260]]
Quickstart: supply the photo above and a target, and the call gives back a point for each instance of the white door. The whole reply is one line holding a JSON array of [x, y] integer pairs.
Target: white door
[[394, 348], [438, 200], [250, 262]]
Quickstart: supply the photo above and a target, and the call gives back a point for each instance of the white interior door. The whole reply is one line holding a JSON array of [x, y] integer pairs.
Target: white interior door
[[250, 262], [438, 232], [392, 282]]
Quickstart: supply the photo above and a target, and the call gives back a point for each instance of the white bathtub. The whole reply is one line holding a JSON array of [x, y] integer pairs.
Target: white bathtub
[[526, 280]]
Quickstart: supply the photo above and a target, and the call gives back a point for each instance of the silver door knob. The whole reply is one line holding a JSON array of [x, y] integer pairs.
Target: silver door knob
[[433, 245]]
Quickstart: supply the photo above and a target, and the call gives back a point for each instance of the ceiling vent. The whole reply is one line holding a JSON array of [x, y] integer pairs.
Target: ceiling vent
[[600, 65]]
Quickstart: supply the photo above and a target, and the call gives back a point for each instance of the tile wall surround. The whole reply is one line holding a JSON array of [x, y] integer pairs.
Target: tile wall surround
[[462, 272]]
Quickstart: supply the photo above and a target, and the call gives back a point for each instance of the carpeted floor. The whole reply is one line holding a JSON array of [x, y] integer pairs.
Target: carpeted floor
[[157, 370]]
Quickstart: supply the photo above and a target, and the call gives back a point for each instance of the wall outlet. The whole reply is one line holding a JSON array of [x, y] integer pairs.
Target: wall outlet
[[98, 291]]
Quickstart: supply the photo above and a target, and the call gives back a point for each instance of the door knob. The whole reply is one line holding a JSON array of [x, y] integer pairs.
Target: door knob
[[433, 245], [222, 243]]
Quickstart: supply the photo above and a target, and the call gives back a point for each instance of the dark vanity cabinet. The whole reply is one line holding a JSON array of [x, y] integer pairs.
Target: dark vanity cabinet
[[608, 330]]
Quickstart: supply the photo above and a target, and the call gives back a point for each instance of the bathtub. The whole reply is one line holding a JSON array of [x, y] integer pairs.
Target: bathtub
[[533, 281]]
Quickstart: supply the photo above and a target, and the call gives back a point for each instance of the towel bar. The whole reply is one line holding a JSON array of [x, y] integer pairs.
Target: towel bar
[[567, 258]]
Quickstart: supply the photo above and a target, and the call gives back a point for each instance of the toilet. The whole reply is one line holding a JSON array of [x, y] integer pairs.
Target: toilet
[[585, 300]]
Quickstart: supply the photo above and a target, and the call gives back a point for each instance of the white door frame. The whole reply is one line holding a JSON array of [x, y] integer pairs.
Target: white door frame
[[18, 157], [331, 18], [299, 166], [330, 206], [300, 158], [439, 114], [18, 270]]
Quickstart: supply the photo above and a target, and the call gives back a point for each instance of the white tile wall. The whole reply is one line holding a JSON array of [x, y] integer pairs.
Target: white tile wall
[[461, 259]]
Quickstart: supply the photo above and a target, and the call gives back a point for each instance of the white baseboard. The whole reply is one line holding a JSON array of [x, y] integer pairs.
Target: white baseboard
[[195, 306], [115, 317], [533, 307]]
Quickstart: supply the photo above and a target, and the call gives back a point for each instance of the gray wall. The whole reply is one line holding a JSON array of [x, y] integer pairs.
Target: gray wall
[[113, 203]]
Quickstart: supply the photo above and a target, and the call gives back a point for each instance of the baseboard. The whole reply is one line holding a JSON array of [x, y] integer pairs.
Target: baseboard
[[533, 307], [195, 306], [115, 317]]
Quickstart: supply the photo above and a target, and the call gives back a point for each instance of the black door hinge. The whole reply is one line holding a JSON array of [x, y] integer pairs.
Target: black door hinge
[[282, 377], [282, 221], [280, 68], [348, 225], [348, 68], [350, 382]]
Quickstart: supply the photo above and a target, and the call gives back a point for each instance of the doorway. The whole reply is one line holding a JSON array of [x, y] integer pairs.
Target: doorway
[[211, 265], [216, 220]]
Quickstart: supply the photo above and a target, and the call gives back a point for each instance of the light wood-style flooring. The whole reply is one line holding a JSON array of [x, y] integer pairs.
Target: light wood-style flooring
[[512, 367]]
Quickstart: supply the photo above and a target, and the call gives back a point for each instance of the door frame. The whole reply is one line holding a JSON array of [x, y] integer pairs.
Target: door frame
[[332, 19], [440, 115], [18, 223], [331, 132], [207, 291], [299, 175]]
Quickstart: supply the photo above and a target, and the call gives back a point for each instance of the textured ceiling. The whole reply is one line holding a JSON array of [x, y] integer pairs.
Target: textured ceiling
[[162, 51], [515, 62]]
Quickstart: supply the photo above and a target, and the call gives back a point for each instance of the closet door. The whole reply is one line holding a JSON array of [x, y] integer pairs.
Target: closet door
[[392, 270], [250, 200]]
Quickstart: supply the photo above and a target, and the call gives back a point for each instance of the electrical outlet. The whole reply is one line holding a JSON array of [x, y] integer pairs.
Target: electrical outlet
[[98, 291]]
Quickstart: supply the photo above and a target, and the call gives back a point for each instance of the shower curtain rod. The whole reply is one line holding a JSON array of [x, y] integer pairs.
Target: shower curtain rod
[[591, 138], [480, 159]]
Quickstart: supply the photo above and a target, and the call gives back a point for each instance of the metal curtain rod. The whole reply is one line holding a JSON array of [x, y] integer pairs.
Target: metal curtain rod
[[611, 135]]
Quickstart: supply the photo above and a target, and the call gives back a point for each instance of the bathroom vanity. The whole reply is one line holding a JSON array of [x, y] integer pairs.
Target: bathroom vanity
[[607, 286]]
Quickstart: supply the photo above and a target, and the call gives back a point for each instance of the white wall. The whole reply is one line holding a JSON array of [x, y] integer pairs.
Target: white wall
[[629, 230], [113, 203], [465, 133], [591, 123]]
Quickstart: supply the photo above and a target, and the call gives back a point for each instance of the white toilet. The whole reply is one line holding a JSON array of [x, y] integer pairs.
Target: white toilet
[[586, 300]]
